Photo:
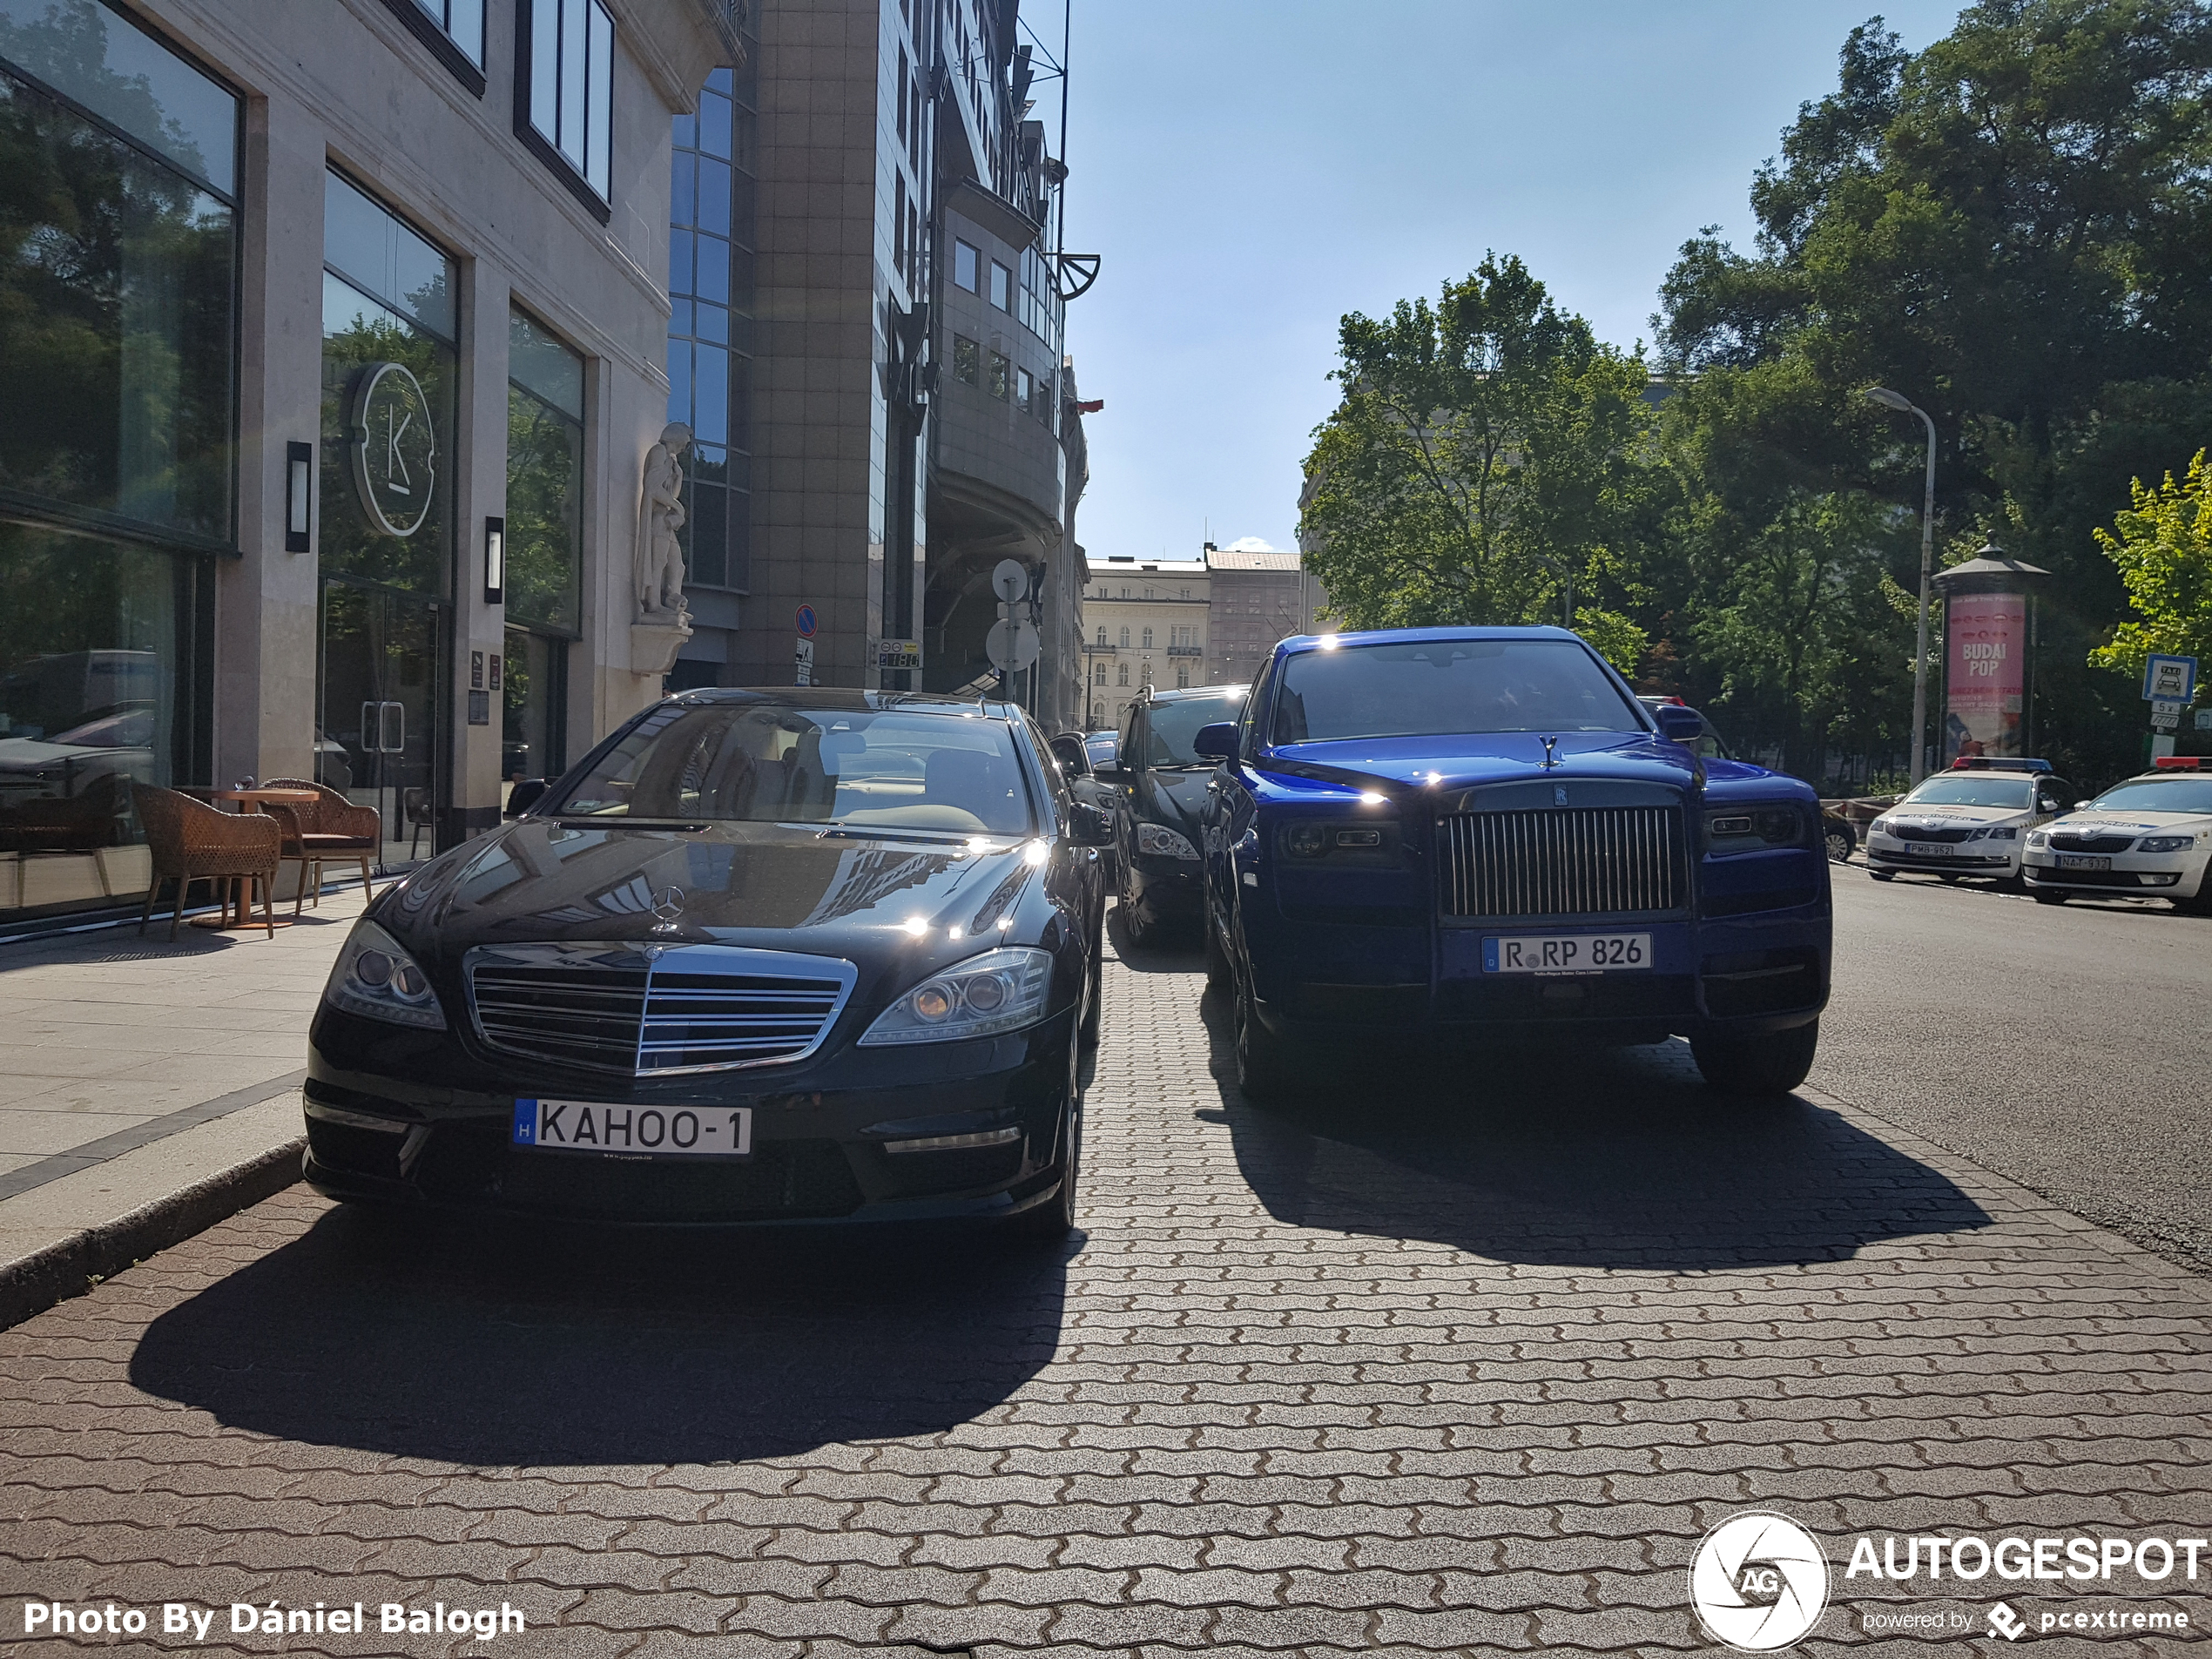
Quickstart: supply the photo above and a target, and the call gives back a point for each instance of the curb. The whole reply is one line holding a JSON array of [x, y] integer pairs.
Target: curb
[[73, 1265]]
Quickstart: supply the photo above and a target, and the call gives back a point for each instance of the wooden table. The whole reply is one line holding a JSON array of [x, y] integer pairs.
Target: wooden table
[[236, 910]]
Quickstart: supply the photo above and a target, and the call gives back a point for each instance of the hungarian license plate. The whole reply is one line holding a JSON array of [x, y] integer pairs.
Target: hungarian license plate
[[632, 1131], [1568, 953], [2082, 861], [1928, 849]]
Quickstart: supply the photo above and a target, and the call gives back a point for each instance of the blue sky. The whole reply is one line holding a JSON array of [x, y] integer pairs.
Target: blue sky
[[1251, 170]]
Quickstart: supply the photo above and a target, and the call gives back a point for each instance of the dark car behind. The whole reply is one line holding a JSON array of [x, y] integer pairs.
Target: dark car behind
[[1163, 781], [855, 932]]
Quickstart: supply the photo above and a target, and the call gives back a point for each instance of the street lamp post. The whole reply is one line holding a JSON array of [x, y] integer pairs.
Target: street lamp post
[[1890, 400]]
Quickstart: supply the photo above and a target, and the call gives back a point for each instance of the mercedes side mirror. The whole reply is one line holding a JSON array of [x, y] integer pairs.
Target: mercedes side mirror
[[1087, 826], [1215, 742], [1074, 761], [1678, 724]]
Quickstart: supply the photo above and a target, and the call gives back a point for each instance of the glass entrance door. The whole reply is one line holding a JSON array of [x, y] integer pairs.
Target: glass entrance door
[[377, 740]]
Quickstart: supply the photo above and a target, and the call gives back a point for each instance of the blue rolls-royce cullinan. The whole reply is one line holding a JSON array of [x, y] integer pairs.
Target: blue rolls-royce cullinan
[[1481, 834]]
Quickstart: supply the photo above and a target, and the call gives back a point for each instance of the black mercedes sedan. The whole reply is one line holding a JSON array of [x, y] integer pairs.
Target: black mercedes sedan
[[762, 956]]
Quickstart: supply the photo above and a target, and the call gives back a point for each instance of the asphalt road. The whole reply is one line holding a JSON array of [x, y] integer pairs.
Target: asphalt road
[[2065, 1047]]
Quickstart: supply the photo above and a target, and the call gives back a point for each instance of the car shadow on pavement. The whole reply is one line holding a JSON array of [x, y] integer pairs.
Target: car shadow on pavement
[[504, 1343], [1576, 1157]]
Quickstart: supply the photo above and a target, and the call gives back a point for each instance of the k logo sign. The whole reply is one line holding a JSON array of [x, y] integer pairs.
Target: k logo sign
[[1759, 1582]]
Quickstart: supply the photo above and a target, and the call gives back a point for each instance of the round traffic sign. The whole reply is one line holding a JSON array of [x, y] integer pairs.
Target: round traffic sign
[[807, 621], [1010, 579]]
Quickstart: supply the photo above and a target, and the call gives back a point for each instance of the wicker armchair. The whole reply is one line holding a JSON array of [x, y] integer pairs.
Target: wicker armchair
[[331, 828], [193, 842]]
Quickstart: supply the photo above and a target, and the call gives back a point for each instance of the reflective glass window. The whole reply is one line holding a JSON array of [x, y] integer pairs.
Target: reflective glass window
[[544, 476], [464, 23], [571, 83]]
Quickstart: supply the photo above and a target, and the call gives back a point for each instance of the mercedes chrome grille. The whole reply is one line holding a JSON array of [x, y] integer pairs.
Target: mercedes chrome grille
[[1576, 861], [652, 1010]]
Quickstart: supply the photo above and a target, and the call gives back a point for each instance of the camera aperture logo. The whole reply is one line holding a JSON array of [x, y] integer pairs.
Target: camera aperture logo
[[1759, 1582]]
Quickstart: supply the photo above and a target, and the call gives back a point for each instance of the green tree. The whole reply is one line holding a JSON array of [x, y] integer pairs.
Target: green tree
[[2014, 228], [1483, 465], [2163, 552]]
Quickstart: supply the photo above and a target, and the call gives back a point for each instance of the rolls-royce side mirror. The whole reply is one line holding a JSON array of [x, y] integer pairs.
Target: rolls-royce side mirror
[[1678, 724], [1215, 742]]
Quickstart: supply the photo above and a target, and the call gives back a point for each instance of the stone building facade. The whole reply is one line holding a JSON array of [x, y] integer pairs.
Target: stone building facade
[[1145, 623], [907, 424], [327, 463], [1258, 598]]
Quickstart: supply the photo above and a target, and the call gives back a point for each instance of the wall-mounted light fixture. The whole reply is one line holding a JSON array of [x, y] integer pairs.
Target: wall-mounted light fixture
[[495, 561], [298, 495]]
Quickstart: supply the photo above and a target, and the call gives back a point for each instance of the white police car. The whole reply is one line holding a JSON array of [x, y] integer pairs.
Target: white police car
[[1973, 819], [2149, 837]]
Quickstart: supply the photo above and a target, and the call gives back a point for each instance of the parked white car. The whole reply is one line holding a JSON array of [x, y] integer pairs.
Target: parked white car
[[1974, 819], [2149, 837]]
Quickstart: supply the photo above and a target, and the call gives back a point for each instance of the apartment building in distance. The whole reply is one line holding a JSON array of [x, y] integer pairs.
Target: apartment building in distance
[[1259, 597], [1145, 623]]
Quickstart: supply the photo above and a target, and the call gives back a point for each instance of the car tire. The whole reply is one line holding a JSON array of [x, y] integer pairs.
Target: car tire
[[1265, 1069], [1054, 1218], [2049, 895], [1219, 975], [1133, 923], [1840, 847], [1762, 1066]]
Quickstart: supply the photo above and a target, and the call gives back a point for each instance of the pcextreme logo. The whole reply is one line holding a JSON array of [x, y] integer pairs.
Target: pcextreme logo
[[1759, 1581]]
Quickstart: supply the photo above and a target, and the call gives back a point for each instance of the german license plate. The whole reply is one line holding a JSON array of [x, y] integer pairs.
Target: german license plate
[[1568, 953], [2082, 861], [634, 1131], [1928, 849]]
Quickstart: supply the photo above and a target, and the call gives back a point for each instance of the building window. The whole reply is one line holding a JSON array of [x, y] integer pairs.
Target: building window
[[967, 360], [453, 30], [568, 78], [1002, 287], [998, 384], [1125, 638], [968, 267], [1186, 593], [1025, 388], [711, 325], [544, 476], [1124, 674], [1181, 679], [1102, 674], [1041, 303], [1148, 640], [117, 332], [1102, 633]]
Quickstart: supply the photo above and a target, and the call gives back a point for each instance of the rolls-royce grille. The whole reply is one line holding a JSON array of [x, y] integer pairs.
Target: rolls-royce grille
[[647, 1010], [2081, 843], [1594, 861]]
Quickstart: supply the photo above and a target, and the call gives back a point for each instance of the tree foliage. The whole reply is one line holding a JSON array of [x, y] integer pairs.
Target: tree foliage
[[1482, 465], [2163, 552]]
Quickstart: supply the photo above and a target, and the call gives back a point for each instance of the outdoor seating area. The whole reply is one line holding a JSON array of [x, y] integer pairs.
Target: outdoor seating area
[[191, 841]]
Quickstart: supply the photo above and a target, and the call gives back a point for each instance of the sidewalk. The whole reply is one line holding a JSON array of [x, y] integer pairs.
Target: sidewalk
[[149, 1088]]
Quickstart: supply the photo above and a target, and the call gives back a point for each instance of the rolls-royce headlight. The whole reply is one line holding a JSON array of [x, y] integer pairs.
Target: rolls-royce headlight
[[1737, 829], [373, 976], [996, 991]]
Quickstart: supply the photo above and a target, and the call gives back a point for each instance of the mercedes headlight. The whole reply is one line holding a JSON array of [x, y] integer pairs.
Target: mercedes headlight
[[994, 992], [1162, 842], [2163, 843], [374, 977]]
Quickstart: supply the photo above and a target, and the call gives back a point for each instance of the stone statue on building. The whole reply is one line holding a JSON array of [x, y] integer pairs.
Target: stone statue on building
[[660, 558]]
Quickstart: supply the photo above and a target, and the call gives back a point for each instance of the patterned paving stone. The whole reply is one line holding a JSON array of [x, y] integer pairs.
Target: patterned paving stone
[[1454, 1357]]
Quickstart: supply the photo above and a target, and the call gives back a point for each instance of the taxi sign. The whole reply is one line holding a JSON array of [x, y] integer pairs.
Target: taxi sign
[[2169, 678]]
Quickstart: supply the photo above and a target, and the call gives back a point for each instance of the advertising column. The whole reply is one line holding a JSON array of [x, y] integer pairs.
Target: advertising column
[[1986, 643]]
